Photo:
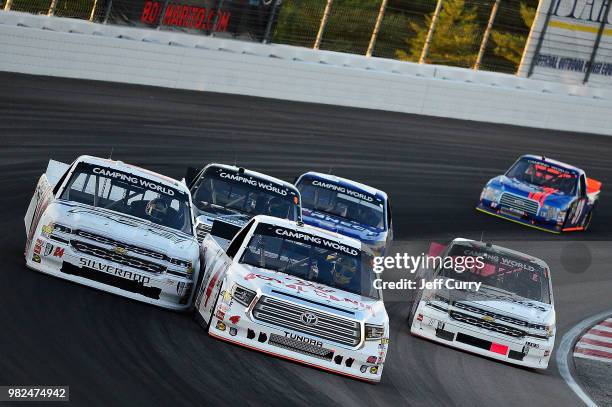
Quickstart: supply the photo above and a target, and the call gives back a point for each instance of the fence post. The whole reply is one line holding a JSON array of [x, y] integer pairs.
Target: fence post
[[432, 27], [93, 10], [162, 14], [328, 7], [538, 47], [108, 11], [52, 8], [600, 32], [213, 30], [381, 14], [487, 33], [268, 34], [7, 5]]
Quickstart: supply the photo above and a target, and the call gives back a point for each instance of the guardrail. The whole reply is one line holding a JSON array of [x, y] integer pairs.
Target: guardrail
[[80, 49]]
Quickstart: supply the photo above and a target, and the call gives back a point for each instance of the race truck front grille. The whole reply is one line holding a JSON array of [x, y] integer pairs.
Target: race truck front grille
[[202, 230], [498, 317], [301, 347], [111, 255], [105, 240], [307, 320], [490, 326], [518, 203]]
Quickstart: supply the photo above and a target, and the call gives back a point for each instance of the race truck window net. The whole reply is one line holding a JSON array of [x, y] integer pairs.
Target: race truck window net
[[129, 194], [503, 276], [545, 175], [340, 204], [311, 258], [215, 193]]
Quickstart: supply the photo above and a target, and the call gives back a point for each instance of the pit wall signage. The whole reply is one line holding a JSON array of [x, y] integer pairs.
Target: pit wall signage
[[568, 41], [185, 16]]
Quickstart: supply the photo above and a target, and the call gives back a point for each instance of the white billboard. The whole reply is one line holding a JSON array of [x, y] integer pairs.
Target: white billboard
[[562, 39]]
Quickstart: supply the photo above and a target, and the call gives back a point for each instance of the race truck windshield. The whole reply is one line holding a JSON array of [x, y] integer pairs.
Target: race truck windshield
[[311, 258], [336, 200], [237, 192], [545, 175], [126, 193], [510, 276]]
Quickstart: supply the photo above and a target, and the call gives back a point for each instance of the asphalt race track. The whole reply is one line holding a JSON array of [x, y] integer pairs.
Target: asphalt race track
[[114, 351]]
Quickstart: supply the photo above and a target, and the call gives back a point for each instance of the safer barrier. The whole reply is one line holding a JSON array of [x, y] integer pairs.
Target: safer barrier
[[79, 49]]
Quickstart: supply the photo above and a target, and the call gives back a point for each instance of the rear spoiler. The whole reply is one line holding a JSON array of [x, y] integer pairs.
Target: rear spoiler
[[593, 186]]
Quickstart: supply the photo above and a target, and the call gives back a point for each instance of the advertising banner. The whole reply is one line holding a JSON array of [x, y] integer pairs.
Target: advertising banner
[[246, 19], [570, 42]]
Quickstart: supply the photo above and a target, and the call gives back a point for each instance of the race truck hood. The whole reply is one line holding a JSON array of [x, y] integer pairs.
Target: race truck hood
[[526, 190], [343, 226], [255, 278], [126, 229], [514, 306]]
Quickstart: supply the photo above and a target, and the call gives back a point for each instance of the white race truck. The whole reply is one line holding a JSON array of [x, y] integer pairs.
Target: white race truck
[[297, 292], [509, 317], [115, 227]]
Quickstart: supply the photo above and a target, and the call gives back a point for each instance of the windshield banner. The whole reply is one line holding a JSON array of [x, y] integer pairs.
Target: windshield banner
[[343, 190], [299, 236], [128, 178]]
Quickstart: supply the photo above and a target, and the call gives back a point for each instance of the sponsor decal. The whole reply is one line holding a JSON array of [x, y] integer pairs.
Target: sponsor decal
[[301, 286], [221, 311], [36, 258], [38, 246], [258, 183], [107, 268], [234, 319], [47, 229], [343, 190], [303, 339], [488, 318], [48, 249], [298, 236], [133, 179]]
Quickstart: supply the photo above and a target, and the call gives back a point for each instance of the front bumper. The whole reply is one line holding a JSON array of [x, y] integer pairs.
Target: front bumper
[[233, 323], [61, 260], [537, 222], [437, 326]]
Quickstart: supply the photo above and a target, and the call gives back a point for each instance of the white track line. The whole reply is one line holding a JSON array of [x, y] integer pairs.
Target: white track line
[[603, 328], [597, 338], [565, 351]]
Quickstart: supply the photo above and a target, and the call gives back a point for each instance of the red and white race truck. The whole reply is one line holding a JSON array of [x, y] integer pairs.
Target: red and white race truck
[[297, 292]]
